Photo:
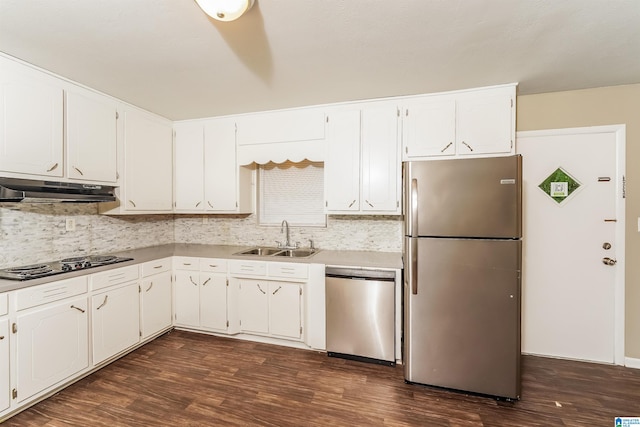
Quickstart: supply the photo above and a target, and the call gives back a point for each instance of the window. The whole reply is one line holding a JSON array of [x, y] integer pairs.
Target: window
[[291, 191]]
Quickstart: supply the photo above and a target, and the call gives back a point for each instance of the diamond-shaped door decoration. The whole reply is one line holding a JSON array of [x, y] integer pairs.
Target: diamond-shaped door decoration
[[559, 185]]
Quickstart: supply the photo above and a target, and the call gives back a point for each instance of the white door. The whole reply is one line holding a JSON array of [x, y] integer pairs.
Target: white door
[[5, 401], [52, 345], [155, 302], [573, 302], [284, 309], [254, 306], [115, 321], [187, 298], [213, 301]]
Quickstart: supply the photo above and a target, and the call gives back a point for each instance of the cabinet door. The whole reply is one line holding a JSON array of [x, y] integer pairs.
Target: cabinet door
[[213, 301], [155, 304], [31, 135], [115, 321], [148, 163], [254, 306], [342, 162], [484, 123], [91, 138], [189, 166], [52, 345], [5, 399], [284, 309], [429, 127], [381, 172], [187, 298], [220, 167]]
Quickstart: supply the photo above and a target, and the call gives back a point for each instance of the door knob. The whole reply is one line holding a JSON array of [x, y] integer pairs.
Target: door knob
[[608, 261], [606, 246]]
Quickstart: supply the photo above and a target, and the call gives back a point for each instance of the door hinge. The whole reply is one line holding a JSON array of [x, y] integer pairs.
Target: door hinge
[[624, 187], [227, 323], [227, 286], [398, 112], [240, 322], [14, 393], [511, 144], [300, 291], [406, 150], [327, 119], [117, 115], [140, 332], [511, 102], [14, 328], [300, 330], [326, 204], [139, 289]]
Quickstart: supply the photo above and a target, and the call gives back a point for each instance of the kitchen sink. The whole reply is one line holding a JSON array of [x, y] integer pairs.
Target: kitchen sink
[[279, 252], [296, 253]]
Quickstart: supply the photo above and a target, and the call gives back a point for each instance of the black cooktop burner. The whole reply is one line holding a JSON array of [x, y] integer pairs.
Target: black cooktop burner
[[35, 271]]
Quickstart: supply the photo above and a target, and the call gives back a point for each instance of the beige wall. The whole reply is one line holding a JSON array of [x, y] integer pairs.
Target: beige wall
[[595, 107]]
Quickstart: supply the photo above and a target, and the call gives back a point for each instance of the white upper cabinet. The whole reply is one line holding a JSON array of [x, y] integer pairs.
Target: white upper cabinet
[[362, 164], [207, 176], [31, 121], [478, 122], [91, 137], [42, 135], [189, 166], [148, 145]]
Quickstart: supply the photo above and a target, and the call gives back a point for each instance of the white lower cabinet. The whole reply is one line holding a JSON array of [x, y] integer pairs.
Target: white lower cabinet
[[5, 388], [115, 321], [201, 293], [155, 297], [269, 307], [52, 343]]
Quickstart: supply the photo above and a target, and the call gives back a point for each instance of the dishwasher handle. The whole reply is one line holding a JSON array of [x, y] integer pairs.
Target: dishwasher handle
[[360, 274]]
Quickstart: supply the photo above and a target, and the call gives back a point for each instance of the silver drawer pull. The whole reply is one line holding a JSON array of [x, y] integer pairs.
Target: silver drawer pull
[[52, 168], [158, 266], [258, 285], [274, 292], [78, 308], [191, 278], [206, 281], [149, 288], [103, 302]]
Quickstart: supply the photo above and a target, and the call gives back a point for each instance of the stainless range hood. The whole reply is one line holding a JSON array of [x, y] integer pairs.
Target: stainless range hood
[[35, 191]]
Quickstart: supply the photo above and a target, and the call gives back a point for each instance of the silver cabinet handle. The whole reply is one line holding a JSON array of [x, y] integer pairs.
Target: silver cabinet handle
[[209, 203], [198, 204], [354, 200], [191, 278], [258, 285], [467, 145], [369, 203], [274, 292], [158, 266], [1, 337], [79, 171], [106, 297], [131, 201], [206, 281], [446, 146], [52, 167], [149, 288], [78, 308]]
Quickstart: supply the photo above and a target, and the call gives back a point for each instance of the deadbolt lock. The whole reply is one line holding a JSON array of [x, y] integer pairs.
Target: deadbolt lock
[[608, 261], [606, 246]]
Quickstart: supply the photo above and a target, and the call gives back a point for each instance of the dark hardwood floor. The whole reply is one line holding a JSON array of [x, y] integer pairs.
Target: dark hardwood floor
[[188, 379]]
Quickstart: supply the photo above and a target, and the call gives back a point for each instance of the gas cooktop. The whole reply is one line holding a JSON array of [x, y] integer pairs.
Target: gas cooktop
[[36, 271]]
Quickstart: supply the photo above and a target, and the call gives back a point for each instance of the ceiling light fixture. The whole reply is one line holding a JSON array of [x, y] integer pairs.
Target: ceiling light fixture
[[225, 10]]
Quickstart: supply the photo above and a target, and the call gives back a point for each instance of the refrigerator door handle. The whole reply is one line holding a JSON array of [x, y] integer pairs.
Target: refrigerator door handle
[[413, 209], [413, 270]]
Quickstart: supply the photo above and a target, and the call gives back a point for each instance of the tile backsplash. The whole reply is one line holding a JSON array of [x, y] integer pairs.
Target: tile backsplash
[[32, 233]]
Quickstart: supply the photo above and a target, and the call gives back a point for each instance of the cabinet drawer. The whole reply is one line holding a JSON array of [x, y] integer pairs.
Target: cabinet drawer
[[186, 263], [213, 265], [286, 269], [36, 295], [113, 277], [157, 266], [4, 307], [251, 268]]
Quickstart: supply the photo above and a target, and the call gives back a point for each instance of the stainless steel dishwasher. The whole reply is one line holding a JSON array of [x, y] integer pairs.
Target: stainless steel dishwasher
[[360, 309]]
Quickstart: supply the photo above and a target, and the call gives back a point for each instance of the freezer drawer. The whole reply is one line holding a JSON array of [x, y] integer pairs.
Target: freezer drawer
[[360, 316]]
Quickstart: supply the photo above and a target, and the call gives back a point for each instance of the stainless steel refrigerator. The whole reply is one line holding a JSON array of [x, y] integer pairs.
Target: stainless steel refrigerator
[[463, 257]]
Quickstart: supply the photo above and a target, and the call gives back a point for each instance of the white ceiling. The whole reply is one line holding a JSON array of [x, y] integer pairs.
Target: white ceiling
[[168, 57]]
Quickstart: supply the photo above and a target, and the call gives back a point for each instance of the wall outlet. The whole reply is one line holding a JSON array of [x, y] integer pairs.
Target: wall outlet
[[70, 224]]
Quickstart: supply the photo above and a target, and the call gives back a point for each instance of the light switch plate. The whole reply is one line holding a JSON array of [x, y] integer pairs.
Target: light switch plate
[[70, 224]]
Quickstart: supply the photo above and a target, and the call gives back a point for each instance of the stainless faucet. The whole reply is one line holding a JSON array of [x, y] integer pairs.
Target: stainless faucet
[[285, 224]]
